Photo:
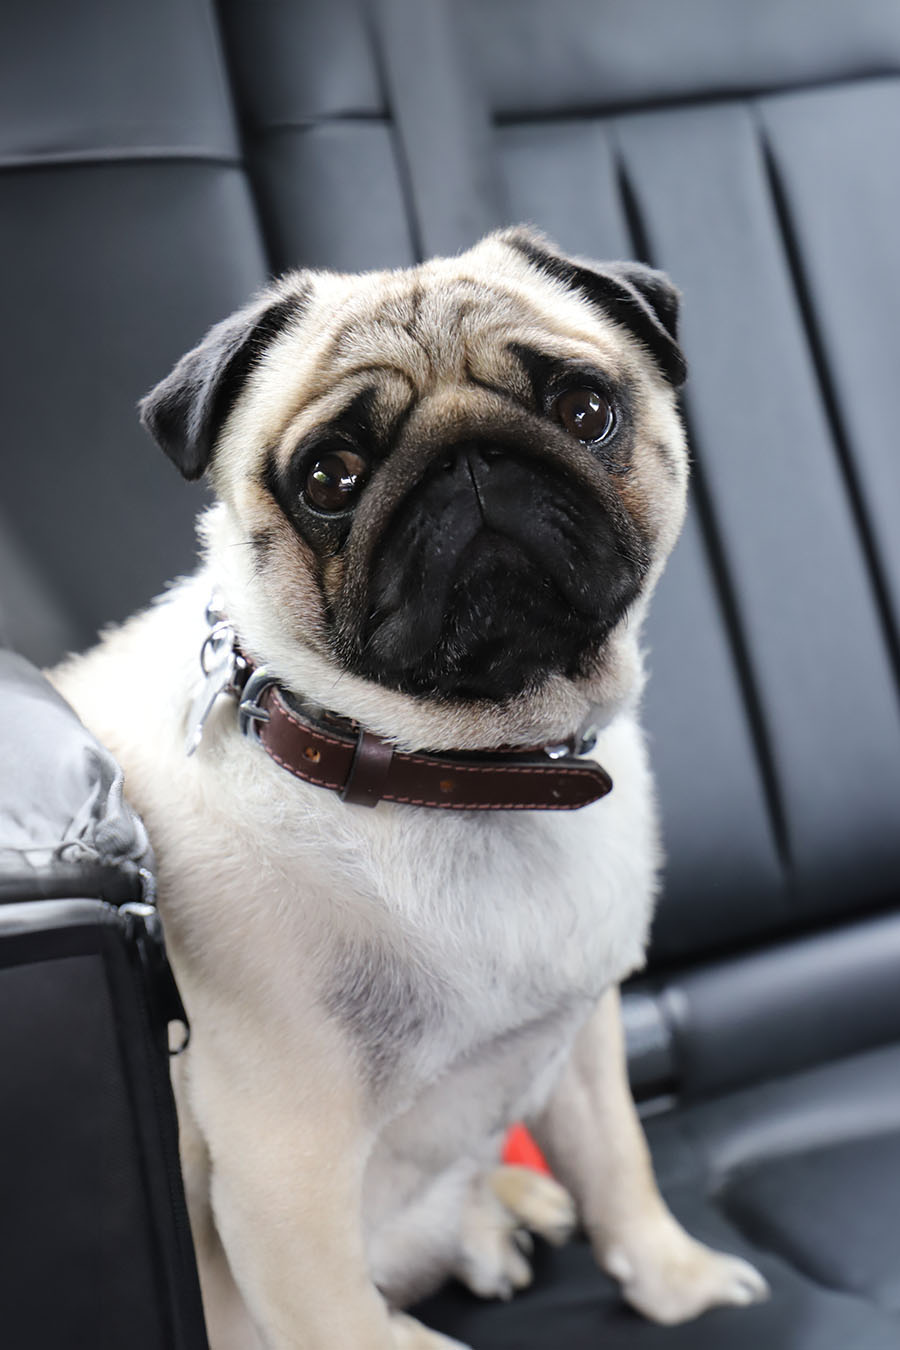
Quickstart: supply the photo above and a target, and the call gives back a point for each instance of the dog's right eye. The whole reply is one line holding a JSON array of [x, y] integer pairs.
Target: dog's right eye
[[585, 414], [335, 479]]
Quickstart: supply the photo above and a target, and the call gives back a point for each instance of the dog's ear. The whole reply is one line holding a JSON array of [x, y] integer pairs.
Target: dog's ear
[[639, 297], [185, 412]]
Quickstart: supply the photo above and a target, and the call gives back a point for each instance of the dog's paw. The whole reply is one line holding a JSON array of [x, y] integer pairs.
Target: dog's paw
[[535, 1201], [495, 1241], [669, 1277], [493, 1257], [412, 1335]]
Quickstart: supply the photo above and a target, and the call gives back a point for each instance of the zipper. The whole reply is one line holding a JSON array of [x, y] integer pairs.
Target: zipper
[[144, 928]]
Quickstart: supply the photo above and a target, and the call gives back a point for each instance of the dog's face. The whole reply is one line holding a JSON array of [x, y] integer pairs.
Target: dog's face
[[457, 482]]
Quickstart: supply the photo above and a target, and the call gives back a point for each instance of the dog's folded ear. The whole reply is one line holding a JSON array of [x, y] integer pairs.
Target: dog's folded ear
[[643, 300], [185, 412]]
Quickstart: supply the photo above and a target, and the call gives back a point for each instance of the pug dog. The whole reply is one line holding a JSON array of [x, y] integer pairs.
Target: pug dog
[[444, 497]]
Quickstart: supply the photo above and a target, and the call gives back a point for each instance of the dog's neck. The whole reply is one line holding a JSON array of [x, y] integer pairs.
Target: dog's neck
[[561, 710], [332, 752], [229, 668]]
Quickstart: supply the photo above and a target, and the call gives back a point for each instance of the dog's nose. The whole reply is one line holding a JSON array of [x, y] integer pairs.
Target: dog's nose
[[471, 454], [489, 452]]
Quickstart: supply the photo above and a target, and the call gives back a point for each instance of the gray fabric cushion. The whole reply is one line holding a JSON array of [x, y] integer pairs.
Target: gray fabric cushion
[[65, 827]]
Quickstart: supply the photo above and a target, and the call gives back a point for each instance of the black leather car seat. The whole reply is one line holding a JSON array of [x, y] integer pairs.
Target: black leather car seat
[[158, 162]]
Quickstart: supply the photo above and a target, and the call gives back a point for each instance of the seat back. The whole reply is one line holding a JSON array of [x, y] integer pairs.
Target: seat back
[[159, 161]]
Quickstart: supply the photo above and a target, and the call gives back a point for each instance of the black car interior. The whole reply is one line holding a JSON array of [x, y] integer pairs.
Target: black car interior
[[158, 162]]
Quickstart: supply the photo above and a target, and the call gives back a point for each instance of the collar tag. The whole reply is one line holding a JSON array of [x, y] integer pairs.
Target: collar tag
[[219, 663]]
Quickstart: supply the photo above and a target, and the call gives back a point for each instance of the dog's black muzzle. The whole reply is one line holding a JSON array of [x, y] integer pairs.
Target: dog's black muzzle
[[496, 571]]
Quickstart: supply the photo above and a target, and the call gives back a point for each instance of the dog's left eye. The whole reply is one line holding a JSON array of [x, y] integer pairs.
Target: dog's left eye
[[584, 413], [335, 479]]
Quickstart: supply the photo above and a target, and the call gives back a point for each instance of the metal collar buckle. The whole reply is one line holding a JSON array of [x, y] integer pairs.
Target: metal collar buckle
[[250, 710]]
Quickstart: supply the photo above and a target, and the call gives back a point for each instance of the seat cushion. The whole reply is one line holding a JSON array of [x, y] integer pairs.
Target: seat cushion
[[790, 1204], [799, 1175]]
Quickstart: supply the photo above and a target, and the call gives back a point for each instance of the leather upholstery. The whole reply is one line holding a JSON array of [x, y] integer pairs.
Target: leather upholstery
[[766, 1013], [158, 161]]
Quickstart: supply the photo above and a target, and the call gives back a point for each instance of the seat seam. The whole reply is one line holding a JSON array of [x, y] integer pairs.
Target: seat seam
[[720, 571], [873, 567], [97, 157], [676, 102]]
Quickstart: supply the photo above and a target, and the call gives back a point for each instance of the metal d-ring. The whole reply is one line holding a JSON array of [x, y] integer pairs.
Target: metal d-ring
[[220, 635], [587, 742], [580, 745], [250, 710]]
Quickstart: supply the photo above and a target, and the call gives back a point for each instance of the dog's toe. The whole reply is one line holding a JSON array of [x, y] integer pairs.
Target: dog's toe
[[494, 1248], [516, 1265], [505, 1207], [492, 1264], [536, 1201], [744, 1282]]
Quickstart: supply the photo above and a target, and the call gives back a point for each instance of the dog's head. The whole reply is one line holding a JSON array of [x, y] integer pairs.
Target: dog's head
[[456, 483]]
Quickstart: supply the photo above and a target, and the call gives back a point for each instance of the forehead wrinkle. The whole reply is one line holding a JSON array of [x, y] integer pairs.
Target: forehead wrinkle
[[380, 344], [435, 329], [538, 301], [390, 405], [380, 368], [493, 312], [422, 326]]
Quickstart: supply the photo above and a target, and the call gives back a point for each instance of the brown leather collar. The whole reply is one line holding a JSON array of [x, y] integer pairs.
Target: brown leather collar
[[335, 753]]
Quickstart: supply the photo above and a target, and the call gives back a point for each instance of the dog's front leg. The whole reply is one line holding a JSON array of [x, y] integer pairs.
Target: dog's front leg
[[286, 1144], [594, 1143]]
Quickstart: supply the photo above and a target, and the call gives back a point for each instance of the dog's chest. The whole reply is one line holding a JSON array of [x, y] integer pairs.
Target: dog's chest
[[474, 939], [438, 942]]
